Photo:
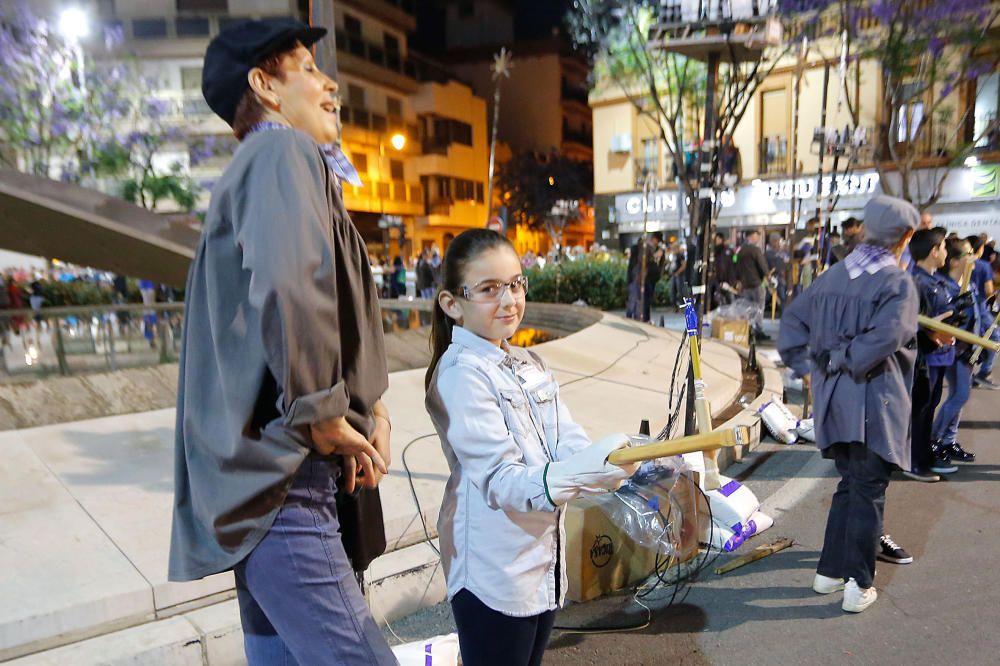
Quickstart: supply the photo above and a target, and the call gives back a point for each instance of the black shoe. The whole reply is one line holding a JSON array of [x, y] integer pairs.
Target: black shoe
[[890, 551], [985, 382], [943, 466], [941, 451], [956, 452], [924, 475]]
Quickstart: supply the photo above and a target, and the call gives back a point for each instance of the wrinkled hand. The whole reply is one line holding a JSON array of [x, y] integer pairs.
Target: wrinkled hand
[[337, 436]]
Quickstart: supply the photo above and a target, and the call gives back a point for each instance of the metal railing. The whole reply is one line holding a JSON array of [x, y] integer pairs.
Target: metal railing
[[86, 339]]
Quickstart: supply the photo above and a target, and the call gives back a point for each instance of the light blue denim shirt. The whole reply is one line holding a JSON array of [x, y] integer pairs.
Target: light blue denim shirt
[[501, 538]]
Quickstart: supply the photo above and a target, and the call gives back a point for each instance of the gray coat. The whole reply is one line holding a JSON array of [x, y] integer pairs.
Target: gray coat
[[282, 329], [868, 326]]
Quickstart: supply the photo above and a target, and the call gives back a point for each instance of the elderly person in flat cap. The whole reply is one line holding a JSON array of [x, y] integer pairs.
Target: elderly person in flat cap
[[853, 332], [283, 365]]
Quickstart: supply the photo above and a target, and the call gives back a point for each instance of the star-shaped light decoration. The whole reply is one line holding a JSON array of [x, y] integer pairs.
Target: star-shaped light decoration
[[501, 64]]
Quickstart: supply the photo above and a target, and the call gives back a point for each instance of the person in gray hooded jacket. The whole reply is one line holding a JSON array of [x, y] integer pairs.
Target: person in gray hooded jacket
[[853, 335]]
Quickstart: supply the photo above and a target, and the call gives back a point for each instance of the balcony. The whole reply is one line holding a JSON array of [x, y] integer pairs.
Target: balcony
[[399, 13], [374, 62], [574, 94], [773, 155]]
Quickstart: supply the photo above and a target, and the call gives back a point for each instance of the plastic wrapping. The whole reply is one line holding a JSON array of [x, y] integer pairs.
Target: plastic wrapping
[[644, 509], [740, 308], [780, 422]]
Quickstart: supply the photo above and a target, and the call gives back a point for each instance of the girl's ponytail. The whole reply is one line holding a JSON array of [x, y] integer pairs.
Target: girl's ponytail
[[464, 248], [441, 326]]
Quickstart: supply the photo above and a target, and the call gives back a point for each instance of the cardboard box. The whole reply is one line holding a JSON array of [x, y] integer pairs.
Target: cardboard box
[[601, 559], [735, 331]]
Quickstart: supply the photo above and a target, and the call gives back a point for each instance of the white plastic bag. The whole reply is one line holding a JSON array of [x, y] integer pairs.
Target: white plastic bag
[[436, 651], [780, 422]]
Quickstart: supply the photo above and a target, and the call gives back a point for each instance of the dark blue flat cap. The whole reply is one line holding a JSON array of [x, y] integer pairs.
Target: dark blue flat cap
[[240, 47]]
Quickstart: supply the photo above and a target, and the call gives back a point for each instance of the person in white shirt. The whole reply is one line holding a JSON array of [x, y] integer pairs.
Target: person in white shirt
[[515, 457]]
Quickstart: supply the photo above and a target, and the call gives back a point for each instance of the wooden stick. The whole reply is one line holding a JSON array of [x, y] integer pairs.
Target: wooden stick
[[967, 276], [711, 441], [957, 333], [757, 553], [989, 332]]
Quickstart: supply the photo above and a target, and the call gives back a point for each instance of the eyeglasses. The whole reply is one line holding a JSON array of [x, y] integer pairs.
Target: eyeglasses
[[492, 291]]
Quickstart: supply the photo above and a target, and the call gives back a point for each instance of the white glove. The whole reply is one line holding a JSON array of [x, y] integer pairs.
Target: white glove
[[587, 471]]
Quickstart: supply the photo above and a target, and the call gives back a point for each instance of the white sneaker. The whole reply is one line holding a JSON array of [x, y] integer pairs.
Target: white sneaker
[[825, 585], [857, 599]]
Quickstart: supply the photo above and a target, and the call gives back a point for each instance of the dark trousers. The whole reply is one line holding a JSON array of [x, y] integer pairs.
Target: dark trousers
[[927, 388], [300, 603], [854, 525], [490, 638]]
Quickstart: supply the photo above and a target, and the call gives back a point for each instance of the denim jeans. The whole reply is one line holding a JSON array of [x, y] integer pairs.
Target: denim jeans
[[959, 378], [927, 385], [854, 524], [988, 355], [299, 601]]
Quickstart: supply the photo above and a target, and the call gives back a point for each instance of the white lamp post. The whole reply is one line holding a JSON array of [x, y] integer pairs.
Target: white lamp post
[[74, 26]]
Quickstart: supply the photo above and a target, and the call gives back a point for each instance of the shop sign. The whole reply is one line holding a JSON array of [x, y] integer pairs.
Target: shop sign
[[805, 188]]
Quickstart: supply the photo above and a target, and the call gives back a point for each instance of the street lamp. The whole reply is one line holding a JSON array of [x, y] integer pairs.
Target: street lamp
[[74, 26], [398, 142]]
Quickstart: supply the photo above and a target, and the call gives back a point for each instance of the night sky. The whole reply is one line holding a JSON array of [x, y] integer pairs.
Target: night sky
[[533, 19]]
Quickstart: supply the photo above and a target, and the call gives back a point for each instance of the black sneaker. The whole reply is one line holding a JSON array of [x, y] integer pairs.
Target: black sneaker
[[956, 452], [890, 551], [924, 475], [941, 451], [943, 466], [985, 382]]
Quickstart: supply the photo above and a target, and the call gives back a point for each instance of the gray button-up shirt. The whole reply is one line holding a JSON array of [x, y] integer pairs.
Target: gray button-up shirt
[[868, 326], [282, 329]]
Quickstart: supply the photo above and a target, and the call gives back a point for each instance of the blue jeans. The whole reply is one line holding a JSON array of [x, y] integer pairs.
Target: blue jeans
[[988, 355], [299, 601], [959, 378]]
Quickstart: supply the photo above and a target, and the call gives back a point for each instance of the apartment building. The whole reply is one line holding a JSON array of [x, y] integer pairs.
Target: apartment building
[[628, 145], [416, 135]]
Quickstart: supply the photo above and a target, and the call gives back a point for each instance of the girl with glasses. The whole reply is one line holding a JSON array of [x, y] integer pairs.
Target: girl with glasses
[[515, 457]]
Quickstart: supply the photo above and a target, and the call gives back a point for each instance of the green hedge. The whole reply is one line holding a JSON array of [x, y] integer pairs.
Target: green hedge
[[602, 283]]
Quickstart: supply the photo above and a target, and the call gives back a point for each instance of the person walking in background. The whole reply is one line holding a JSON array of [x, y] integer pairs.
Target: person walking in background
[[751, 271], [982, 277], [654, 270], [858, 317], [777, 264], [425, 275], [723, 271], [397, 281]]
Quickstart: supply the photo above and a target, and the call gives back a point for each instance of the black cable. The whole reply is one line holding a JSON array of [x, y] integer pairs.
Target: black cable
[[413, 490]]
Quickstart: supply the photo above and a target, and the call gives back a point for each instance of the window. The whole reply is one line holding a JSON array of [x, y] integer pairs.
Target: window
[[150, 28], [203, 6], [226, 21], [394, 107], [444, 187], [649, 164], [479, 192], [356, 95], [461, 133], [191, 78], [987, 104], [360, 162], [464, 190], [352, 25], [378, 122], [774, 126], [191, 26], [910, 114], [391, 44], [396, 169]]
